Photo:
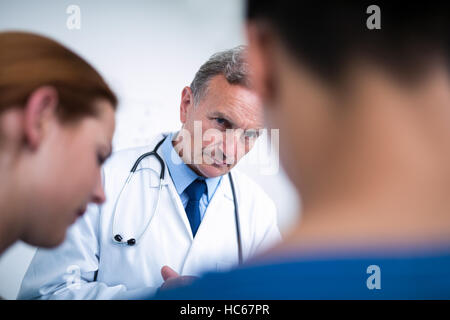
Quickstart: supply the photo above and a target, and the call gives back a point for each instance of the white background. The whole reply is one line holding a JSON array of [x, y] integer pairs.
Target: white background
[[147, 51]]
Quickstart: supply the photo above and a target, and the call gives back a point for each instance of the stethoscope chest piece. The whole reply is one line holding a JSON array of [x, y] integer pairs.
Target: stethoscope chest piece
[[117, 238]]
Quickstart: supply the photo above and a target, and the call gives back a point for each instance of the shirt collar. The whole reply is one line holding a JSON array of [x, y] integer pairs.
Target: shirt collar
[[182, 175]]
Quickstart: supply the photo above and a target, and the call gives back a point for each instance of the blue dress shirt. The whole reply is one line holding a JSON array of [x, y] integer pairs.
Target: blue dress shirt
[[182, 176]]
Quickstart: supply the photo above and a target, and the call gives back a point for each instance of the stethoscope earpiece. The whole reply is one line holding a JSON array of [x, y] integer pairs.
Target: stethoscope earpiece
[[130, 242]]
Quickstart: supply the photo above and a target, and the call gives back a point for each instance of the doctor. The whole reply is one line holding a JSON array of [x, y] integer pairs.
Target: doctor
[[180, 213]]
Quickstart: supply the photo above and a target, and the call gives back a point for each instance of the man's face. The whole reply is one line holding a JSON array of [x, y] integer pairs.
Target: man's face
[[230, 117]]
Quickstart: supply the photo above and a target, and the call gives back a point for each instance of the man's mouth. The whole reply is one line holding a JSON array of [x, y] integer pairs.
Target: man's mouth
[[219, 162], [215, 162]]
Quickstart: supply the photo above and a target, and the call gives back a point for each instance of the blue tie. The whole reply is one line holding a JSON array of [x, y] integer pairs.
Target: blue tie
[[194, 191]]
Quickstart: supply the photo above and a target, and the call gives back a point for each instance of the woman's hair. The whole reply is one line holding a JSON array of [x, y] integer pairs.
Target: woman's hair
[[29, 61]]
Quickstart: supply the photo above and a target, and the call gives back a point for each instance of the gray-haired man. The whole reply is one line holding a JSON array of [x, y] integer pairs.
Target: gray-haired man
[[158, 230]]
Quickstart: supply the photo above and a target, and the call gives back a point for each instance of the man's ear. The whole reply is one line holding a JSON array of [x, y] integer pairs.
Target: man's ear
[[39, 111], [260, 58], [187, 102]]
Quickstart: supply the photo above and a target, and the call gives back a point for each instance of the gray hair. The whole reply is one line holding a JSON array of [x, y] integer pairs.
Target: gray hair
[[230, 63]]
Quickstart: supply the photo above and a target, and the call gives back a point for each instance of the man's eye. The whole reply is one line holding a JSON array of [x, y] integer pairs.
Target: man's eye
[[221, 121]]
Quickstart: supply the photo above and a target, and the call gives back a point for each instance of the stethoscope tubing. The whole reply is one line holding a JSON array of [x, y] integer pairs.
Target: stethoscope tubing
[[117, 239]]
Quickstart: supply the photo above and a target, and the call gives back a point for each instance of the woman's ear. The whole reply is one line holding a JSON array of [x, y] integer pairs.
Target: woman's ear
[[187, 101], [39, 111]]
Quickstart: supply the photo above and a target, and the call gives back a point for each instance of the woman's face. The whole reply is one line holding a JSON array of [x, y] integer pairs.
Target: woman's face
[[67, 174]]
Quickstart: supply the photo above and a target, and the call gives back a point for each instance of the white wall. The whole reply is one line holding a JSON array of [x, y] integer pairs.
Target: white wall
[[148, 51]]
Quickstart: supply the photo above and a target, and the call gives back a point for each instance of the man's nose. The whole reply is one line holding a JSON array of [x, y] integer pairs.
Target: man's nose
[[232, 146]]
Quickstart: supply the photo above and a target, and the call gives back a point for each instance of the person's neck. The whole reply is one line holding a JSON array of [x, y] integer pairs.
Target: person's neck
[[389, 182], [10, 213]]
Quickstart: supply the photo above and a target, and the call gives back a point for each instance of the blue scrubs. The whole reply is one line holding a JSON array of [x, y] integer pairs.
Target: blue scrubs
[[412, 274]]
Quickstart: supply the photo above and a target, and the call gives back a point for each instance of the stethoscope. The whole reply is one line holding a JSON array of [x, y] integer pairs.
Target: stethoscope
[[118, 239]]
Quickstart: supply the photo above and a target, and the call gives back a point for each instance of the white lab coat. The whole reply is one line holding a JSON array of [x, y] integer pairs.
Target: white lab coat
[[88, 265]]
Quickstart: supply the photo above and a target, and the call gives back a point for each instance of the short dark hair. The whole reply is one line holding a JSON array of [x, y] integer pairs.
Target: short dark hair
[[325, 35]]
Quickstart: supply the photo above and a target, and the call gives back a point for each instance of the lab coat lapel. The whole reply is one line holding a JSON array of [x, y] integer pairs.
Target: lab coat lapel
[[168, 185], [216, 234], [179, 208]]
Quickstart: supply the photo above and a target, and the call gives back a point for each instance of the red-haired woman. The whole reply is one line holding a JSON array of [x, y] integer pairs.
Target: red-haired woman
[[56, 127]]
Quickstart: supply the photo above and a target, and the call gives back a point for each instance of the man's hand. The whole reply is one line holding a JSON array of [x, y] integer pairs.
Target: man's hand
[[172, 279]]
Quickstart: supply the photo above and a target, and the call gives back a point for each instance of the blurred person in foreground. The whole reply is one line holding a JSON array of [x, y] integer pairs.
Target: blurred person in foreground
[[364, 118], [56, 127]]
